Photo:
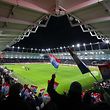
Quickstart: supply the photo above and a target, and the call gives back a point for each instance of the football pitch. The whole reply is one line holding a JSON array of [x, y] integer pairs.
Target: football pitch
[[39, 74]]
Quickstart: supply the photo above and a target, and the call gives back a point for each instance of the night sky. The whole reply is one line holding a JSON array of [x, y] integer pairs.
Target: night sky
[[57, 33]]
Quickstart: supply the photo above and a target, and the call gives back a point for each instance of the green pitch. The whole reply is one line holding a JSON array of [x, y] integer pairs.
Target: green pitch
[[39, 74]]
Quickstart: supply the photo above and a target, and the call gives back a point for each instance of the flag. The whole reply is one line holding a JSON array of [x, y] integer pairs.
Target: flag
[[46, 95], [42, 90], [54, 61], [83, 68], [46, 98], [55, 84], [105, 70], [33, 88], [5, 88]]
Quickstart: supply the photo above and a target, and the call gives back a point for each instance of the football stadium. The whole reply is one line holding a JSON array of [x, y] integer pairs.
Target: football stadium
[[54, 73]]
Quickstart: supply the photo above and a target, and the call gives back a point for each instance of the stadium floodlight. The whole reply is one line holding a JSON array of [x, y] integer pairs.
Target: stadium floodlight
[[31, 50], [27, 57], [60, 47], [78, 45], [86, 58], [72, 45], [85, 52], [35, 49], [102, 52], [84, 46], [23, 47], [43, 50], [13, 47], [54, 48], [106, 41], [91, 52], [91, 58], [11, 56], [91, 46]]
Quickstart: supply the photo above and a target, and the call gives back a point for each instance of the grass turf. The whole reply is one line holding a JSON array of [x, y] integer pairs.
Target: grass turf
[[39, 74]]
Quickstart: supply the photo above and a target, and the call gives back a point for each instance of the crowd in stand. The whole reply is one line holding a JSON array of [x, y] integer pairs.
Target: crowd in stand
[[15, 96], [64, 61]]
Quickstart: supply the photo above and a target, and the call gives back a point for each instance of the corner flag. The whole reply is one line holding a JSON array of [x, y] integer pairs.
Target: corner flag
[[54, 61], [83, 68]]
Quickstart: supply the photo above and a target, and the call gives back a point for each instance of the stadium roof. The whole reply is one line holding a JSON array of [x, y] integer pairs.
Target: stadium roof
[[19, 18]]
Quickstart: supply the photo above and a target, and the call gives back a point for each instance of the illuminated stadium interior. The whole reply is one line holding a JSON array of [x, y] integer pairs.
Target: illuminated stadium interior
[[41, 59]]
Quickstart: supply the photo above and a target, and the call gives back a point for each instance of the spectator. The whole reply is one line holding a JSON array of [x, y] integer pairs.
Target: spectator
[[88, 100], [14, 101], [70, 101]]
